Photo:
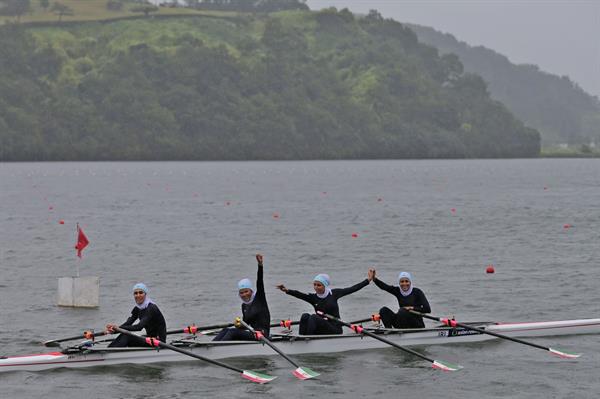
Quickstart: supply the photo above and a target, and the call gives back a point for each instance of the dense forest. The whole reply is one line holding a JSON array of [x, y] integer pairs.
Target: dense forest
[[287, 85], [557, 107]]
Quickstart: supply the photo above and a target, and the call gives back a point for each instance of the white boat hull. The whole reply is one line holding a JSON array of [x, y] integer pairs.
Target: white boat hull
[[292, 345]]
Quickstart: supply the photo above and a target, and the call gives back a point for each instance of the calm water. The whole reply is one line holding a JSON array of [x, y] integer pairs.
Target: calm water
[[190, 231]]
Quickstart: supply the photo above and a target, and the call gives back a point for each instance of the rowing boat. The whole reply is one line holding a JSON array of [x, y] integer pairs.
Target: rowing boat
[[87, 354]]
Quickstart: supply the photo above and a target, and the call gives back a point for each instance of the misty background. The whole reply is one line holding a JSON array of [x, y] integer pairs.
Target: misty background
[[561, 37]]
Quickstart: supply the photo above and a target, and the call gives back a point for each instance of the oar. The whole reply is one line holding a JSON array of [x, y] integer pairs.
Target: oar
[[302, 373], [436, 364], [85, 335], [247, 374], [454, 323], [193, 328]]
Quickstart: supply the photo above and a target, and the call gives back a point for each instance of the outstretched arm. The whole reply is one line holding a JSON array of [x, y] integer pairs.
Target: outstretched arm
[[389, 288], [294, 293], [340, 292]]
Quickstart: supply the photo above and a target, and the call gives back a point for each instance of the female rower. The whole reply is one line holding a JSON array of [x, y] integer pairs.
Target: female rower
[[409, 298], [255, 310], [325, 300], [149, 316]]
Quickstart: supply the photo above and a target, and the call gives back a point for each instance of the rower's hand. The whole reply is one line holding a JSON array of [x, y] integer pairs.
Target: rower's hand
[[259, 259], [371, 275], [408, 307], [110, 328], [281, 287]]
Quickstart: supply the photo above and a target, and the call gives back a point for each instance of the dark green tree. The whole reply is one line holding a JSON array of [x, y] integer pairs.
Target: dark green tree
[[61, 10]]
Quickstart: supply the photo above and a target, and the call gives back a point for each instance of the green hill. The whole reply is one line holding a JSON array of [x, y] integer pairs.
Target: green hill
[[557, 107], [288, 85]]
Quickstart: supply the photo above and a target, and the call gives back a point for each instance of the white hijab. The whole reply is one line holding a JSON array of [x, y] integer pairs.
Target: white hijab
[[407, 276]]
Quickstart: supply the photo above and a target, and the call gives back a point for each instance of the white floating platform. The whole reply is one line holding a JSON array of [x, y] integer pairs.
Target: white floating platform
[[79, 292]]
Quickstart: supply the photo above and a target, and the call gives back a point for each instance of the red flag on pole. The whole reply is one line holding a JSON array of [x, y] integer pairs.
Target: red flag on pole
[[82, 241]]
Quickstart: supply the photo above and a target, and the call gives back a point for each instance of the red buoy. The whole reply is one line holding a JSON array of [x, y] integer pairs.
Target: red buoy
[[61, 221], [354, 235], [50, 208], [275, 215], [453, 210], [567, 226], [490, 269]]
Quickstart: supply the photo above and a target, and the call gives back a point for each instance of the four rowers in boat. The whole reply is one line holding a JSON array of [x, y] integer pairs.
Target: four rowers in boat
[[255, 309]]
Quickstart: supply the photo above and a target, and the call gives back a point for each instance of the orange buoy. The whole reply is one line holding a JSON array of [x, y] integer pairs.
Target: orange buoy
[[490, 269]]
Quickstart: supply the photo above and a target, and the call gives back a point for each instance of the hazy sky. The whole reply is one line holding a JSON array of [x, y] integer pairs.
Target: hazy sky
[[561, 37]]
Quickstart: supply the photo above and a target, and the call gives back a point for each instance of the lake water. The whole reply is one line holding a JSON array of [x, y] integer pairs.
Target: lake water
[[190, 231]]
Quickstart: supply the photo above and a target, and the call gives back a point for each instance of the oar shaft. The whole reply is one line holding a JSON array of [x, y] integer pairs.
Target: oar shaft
[[182, 351], [80, 336], [267, 342], [193, 328], [370, 334], [480, 330]]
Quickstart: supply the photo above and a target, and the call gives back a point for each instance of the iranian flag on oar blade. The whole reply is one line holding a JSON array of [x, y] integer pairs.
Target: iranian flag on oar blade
[[82, 241]]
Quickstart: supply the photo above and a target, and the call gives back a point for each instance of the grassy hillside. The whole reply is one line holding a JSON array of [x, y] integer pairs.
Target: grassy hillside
[[288, 85], [96, 10]]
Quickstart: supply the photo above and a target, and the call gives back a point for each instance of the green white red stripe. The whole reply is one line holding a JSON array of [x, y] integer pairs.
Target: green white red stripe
[[445, 366], [304, 373], [563, 354], [257, 377]]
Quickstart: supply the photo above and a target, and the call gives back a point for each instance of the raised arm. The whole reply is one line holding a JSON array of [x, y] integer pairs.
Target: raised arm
[[260, 284], [389, 288], [340, 292]]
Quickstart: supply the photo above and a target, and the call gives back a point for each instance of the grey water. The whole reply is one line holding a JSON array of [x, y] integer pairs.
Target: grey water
[[190, 231]]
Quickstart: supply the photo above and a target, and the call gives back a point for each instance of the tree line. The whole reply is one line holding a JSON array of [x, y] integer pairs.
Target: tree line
[[291, 85]]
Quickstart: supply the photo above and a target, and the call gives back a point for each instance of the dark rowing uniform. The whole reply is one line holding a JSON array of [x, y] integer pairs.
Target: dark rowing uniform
[[150, 319], [256, 314], [403, 319], [311, 324]]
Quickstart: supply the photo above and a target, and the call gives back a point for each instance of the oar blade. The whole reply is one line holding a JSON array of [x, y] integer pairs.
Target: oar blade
[[304, 373], [564, 354], [259, 378], [51, 344], [445, 366]]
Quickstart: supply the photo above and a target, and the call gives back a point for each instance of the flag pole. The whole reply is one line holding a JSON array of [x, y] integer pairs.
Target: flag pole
[[79, 260]]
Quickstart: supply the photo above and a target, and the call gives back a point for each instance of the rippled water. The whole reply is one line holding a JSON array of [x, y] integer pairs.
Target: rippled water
[[190, 231]]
